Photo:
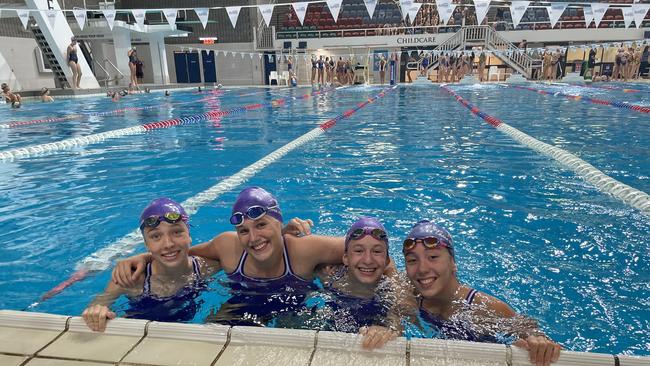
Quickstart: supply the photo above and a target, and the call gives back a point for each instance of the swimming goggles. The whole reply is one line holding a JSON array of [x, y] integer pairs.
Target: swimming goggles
[[154, 221], [429, 242], [378, 234], [253, 213]]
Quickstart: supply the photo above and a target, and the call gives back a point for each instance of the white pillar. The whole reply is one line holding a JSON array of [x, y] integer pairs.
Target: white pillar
[[122, 45], [158, 59], [7, 75], [58, 38]]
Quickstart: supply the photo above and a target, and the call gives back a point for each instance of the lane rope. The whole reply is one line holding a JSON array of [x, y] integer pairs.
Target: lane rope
[[629, 195], [52, 147], [70, 117], [622, 105], [603, 87], [103, 258]]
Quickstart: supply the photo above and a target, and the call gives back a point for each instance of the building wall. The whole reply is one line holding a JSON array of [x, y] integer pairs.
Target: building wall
[[21, 59]]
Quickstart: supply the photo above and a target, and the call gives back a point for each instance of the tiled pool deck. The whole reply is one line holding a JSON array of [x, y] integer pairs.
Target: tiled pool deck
[[38, 339]]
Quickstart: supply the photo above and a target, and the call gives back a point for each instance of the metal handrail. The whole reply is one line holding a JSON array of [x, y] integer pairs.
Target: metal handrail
[[114, 67]]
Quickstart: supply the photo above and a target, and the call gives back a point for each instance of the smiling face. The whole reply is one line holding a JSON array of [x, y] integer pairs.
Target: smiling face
[[261, 238], [432, 271], [366, 259], [169, 244]]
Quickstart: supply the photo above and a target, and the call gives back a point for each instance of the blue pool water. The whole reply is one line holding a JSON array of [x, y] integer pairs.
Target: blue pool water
[[527, 230]]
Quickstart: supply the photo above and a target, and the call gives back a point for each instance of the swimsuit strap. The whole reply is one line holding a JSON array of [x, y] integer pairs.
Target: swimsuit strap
[[287, 263], [240, 266], [146, 288], [470, 296], [196, 266]]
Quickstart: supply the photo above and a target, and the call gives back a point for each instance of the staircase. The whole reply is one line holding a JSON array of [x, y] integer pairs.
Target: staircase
[[486, 37], [60, 80]]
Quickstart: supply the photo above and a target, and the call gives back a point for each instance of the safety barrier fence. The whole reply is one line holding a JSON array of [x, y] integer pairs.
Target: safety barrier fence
[[75, 116], [629, 195], [49, 148], [621, 105], [103, 258]]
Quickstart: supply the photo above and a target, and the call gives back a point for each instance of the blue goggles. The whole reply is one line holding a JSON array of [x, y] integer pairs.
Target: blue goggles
[[253, 213]]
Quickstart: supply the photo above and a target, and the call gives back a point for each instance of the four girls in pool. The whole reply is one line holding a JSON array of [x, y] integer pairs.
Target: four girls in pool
[[262, 256]]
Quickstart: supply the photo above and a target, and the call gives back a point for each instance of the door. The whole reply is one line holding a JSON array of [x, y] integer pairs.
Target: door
[[209, 67], [269, 65], [180, 63], [193, 67]]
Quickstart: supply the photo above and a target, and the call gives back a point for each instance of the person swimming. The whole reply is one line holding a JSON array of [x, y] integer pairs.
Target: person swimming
[[45, 95], [11, 98], [263, 263], [173, 279], [358, 295], [456, 311]]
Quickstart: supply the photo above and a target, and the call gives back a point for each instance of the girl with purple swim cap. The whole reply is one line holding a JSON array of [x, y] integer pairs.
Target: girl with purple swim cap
[[172, 276], [458, 311], [258, 253]]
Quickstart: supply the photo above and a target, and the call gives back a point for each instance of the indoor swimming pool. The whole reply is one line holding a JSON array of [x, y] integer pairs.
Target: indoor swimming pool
[[526, 229]]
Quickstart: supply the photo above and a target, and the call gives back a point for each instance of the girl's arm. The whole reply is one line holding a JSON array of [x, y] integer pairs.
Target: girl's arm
[[98, 312]]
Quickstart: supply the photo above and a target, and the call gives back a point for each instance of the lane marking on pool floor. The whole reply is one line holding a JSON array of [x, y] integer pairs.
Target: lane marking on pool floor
[[629, 195], [621, 105], [103, 258], [52, 147], [70, 117]]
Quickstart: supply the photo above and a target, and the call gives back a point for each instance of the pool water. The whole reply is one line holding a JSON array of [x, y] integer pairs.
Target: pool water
[[526, 229]]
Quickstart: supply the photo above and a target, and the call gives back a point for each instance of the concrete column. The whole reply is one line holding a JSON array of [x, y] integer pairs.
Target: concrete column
[[122, 45], [159, 65]]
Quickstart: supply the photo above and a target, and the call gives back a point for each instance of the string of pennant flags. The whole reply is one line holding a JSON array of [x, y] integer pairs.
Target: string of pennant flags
[[592, 11], [311, 54]]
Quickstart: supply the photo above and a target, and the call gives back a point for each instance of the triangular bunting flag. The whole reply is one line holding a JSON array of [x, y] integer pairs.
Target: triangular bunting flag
[[300, 9], [51, 17], [267, 12], [589, 15], [24, 17], [80, 15], [481, 7], [233, 14], [203, 14], [598, 9], [445, 9], [640, 11], [109, 14], [170, 15], [517, 10], [370, 6], [405, 5], [413, 11], [335, 8], [628, 16], [555, 12], [138, 14]]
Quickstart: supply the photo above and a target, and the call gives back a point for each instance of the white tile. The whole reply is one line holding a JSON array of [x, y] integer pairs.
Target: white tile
[[7, 360], [334, 348], [25, 333]]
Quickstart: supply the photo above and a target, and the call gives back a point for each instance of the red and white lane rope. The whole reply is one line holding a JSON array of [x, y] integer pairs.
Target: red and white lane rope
[[629, 195], [52, 147], [622, 105], [103, 258]]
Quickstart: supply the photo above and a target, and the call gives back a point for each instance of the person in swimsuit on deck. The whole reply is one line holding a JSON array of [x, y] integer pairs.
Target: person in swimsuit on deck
[[314, 69], [263, 261], [382, 70], [133, 66], [73, 62], [173, 279], [457, 311]]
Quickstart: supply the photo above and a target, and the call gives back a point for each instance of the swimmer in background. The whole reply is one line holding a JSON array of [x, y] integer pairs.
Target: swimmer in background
[[382, 70], [45, 95], [172, 280], [261, 260], [73, 63], [11, 98], [133, 62], [167, 93], [456, 311]]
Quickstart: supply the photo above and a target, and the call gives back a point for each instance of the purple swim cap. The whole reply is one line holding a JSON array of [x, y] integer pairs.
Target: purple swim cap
[[161, 206], [256, 196], [426, 228], [366, 223]]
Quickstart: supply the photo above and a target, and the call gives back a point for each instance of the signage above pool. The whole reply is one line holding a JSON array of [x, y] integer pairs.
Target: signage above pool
[[415, 40]]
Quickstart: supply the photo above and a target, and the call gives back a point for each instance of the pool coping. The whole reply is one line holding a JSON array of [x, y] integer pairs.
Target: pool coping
[[55, 339]]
